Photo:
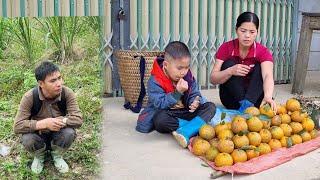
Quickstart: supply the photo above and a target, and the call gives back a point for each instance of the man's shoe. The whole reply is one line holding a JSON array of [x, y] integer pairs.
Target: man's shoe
[[38, 160], [58, 161]]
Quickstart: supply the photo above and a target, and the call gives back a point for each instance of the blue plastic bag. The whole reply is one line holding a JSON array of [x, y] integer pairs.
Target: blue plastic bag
[[229, 114]]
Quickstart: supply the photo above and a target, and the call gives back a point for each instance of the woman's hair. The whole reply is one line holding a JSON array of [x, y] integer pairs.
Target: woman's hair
[[247, 17]]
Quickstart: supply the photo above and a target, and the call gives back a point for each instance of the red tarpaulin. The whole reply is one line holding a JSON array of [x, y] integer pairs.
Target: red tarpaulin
[[269, 160]]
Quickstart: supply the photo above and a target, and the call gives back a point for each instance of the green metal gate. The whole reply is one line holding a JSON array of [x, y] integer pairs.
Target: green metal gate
[[39, 8], [150, 25], [205, 24]]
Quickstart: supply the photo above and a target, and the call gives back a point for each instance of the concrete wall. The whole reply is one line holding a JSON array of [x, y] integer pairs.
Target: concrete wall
[[311, 6]]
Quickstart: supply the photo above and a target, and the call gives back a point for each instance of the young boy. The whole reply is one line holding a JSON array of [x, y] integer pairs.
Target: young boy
[[175, 104]]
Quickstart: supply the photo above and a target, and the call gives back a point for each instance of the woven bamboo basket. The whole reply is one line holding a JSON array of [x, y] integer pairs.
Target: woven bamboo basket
[[129, 72]]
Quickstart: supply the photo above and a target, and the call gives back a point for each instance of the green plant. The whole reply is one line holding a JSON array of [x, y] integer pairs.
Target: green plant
[[95, 23], [62, 31], [11, 79], [4, 36], [23, 35]]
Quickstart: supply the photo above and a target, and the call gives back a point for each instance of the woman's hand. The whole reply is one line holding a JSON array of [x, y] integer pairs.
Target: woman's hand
[[240, 70], [272, 103]]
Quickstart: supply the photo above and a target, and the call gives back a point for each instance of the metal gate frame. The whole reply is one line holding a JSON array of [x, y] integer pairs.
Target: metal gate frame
[[283, 32]]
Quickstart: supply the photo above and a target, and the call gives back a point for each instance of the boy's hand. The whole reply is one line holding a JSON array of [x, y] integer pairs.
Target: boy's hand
[[195, 104], [182, 86]]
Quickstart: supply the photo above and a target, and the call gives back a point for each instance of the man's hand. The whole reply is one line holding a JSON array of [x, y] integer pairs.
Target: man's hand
[[182, 86], [195, 104], [52, 124], [240, 70]]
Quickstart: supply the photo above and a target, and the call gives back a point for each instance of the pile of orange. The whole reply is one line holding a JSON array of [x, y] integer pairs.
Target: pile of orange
[[247, 138]]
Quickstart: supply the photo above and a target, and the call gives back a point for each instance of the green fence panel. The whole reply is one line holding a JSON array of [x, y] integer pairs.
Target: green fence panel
[[161, 24], [72, 5], [205, 24], [22, 8], [100, 6], [4, 8], [40, 13], [139, 21], [86, 7], [172, 25], [56, 8]]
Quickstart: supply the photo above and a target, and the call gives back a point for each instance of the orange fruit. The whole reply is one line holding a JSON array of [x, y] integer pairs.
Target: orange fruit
[[287, 130], [281, 109], [276, 132], [253, 111], [207, 132], [195, 139], [254, 124], [264, 148], [220, 127], [266, 123], [293, 105], [225, 134], [308, 124], [239, 155], [314, 133], [214, 142], [200, 147], [274, 144], [266, 110], [226, 146], [240, 141], [239, 124], [212, 153], [265, 135], [296, 116], [305, 136], [286, 141], [296, 127], [285, 118], [252, 153], [296, 139], [254, 138], [223, 159], [276, 120]]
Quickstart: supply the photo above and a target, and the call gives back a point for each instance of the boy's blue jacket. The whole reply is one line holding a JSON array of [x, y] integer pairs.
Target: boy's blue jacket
[[162, 96]]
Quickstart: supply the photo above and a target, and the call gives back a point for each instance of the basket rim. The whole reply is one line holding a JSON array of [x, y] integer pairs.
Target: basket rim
[[119, 53]]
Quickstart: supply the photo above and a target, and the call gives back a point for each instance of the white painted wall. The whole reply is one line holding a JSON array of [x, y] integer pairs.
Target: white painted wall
[[314, 58]]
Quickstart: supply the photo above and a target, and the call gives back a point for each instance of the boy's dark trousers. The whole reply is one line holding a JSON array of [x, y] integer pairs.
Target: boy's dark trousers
[[166, 121], [236, 89], [35, 141]]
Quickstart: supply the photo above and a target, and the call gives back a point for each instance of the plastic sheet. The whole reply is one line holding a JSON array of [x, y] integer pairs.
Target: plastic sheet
[[269, 160]]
